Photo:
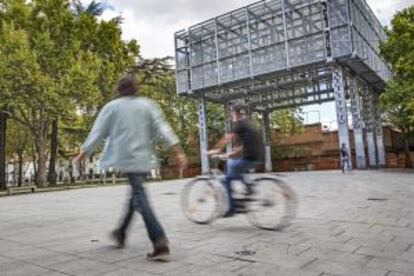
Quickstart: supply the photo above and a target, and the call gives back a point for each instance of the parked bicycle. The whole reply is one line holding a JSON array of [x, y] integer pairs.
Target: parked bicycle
[[268, 202]]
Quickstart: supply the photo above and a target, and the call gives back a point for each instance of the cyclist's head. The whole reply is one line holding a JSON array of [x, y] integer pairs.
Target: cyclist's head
[[237, 112], [127, 86]]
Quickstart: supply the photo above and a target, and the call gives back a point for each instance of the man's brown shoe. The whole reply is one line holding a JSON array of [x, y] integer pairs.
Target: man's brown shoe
[[160, 253]]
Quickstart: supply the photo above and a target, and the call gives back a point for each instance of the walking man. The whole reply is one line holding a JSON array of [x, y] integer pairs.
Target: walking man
[[345, 159], [129, 125]]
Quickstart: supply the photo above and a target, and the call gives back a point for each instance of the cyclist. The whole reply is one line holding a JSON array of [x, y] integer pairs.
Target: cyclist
[[345, 158], [246, 155]]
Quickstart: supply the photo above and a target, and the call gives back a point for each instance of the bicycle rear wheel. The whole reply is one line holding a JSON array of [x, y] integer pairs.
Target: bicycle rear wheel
[[273, 204], [201, 201]]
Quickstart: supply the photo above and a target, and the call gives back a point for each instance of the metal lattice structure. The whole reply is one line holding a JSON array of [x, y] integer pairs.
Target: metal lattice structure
[[283, 53]]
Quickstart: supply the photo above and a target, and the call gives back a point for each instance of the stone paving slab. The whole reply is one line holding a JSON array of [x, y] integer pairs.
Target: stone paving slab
[[347, 225]]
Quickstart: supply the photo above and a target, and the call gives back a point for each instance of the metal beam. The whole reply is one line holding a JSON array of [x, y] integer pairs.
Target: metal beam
[[293, 105]]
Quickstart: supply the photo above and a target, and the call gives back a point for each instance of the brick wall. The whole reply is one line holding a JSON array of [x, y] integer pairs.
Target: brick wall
[[323, 153], [314, 149]]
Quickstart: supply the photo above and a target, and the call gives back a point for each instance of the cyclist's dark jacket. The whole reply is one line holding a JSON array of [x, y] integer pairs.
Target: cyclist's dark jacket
[[249, 137]]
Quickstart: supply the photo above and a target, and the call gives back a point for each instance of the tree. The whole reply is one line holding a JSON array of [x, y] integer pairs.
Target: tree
[[287, 121], [158, 83], [398, 98], [3, 127], [69, 62], [18, 146], [94, 8]]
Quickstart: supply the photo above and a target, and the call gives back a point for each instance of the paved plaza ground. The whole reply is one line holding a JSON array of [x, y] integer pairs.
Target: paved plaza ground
[[358, 224]]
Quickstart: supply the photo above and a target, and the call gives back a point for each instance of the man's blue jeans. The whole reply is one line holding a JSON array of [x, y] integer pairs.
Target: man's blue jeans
[[139, 202], [235, 170]]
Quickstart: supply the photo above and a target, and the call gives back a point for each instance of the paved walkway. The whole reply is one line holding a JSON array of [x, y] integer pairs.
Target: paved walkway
[[339, 231]]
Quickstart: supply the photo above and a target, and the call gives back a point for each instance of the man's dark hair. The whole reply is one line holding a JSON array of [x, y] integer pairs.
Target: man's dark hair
[[127, 86]]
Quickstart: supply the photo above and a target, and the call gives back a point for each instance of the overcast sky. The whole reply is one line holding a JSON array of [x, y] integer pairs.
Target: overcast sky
[[153, 22]]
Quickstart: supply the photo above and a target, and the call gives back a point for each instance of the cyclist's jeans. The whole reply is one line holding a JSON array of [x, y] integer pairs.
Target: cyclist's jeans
[[235, 169], [139, 202]]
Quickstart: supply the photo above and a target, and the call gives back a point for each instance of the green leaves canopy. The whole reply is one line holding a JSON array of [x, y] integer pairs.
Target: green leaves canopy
[[398, 99]]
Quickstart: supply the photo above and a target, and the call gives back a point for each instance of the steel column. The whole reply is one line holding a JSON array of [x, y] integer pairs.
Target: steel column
[[379, 133], [357, 124], [338, 84], [202, 119], [267, 139], [369, 128]]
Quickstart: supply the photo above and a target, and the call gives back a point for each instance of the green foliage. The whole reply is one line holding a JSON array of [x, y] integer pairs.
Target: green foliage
[[18, 138], [58, 62], [287, 121], [398, 99], [180, 112]]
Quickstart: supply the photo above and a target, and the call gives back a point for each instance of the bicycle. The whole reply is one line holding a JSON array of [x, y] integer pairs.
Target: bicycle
[[268, 202]]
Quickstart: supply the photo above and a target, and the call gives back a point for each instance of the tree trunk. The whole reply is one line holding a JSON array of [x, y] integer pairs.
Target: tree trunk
[[3, 127], [52, 176], [408, 163], [41, 178], [20, 175], [40, 135]]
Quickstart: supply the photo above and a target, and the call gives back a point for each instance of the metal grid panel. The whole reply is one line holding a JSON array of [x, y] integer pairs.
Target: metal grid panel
[[311, 85], [269, 59], [273, 36], [367, 35], [262, 38], [340, 35]]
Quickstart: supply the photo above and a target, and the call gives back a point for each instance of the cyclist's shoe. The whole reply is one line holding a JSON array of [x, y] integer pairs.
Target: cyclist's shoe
[[119, 238], [161, 253]]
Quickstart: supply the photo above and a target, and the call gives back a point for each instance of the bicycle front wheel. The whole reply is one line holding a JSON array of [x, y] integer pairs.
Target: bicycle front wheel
[[273, 204], [201, 201]]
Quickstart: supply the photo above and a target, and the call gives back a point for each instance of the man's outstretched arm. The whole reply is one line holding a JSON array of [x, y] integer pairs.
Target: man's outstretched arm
[[219, 147]]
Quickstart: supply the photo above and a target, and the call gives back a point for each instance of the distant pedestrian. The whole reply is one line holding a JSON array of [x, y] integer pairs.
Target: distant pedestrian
[[345, 159], [129, 124]]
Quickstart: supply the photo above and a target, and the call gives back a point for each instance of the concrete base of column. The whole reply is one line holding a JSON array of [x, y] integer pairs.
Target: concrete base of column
[[372, 154]]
